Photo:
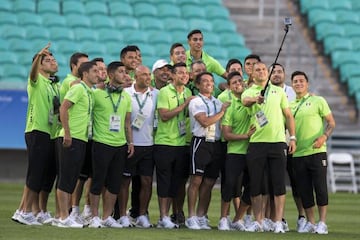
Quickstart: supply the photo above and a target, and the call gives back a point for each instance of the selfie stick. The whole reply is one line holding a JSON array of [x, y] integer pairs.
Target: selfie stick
[[286, 29]]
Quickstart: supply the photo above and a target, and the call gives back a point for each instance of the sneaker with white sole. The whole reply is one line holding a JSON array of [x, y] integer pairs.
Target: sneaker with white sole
[[55, 222], [125, 221], [78, 218], [95, 222], [254, 227], [285, 225], [15, 216], [192, 223], [110, 222], [238, 225], [308, 228], [278, 227], [268, 225], [143, 222], [204, 223], [300, 224], [166, 222], [44, 217], [321, 228], [248, 220], [86, 214], [69, 222], [224, 224], [28, 219]]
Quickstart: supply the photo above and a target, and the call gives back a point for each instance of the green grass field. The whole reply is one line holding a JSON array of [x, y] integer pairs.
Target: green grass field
[[343, 222]]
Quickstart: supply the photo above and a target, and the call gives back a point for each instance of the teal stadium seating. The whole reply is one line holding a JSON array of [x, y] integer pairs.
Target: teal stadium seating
[[120, 9], [96, 8], [48, 6], [30, 19], [73, 7], [24, 6]]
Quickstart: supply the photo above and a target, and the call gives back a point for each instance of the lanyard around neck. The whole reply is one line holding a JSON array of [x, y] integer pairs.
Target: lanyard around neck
[[207, 106], [115, 106]]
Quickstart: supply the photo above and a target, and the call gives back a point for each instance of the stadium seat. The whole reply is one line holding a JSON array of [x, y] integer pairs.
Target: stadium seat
[[53, 20], [337, 43], [175, 24], [68, 47], [25, 58], [189, 2], [6, 6], [20, 45], [345, 16], [37, 32], [125, 22], [73, 7], [222, 26], [306, 5], [13, 84], [20, 6], [13, 32], [113, 48], [142, 1], [134, 37], [341, 57], [15, 71], [351, 30], [355, 43], [144, 9], [320, 16], [353, 85], [343, 4], [168, 10], [96, 8], [216, 52], [100, 22], [107, 34], [216, 12], [324, 30], [75, 21], [162, 50], [61, 33], [8, 18], [8, 57], [211, 38], [151, 23], [192, 11], [93, 49], [30, 19], [238, 52], [120, 9], [355, 5], [48, 6], [4, 45], [180, 36], [147, 50], [231, 39], [85, 34], [345, 70], [160, 37], [202, 24]]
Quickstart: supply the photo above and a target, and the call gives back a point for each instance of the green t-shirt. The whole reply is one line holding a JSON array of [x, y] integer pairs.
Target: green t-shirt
[[275, 102], [167, 132], [40, 115], [80, 112], [65, 85], [212, 65], [226, 96], [309, 116], [195, 91], [104, 105], [237, 117]]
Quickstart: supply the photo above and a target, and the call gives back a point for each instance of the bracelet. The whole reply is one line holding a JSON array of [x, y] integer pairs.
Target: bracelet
[[292, 138], [130, 143]]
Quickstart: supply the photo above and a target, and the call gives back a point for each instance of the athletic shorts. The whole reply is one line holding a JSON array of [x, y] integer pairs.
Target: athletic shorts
[[267, 166], [291, 172], [40, 156], [206, 157], [51, 170], [108, 164], [71, 160], [234, 168], [171, 167], [245, 184], [86, 170], [311, 177], [141, 163]]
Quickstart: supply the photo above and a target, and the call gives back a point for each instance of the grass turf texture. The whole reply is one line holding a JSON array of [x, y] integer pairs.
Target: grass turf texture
[[343, 222]]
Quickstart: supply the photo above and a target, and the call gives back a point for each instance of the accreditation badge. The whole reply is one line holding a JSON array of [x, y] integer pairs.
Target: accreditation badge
[[210, 133], [51, 116], [114, 123], [139, 120], [261, 118], [182, 128], [90, 130]]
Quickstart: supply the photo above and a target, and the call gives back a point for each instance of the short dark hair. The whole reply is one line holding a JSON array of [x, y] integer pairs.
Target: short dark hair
[[98, 59], [231, 62], [276, 64], [74, 59], [199, 76], [176, 65], [196, 62], [129, 48], [252, 56], [231, 75], [42, 57], [296, 73], [113, 66], [192, 32], [85, 67], [175, 45]]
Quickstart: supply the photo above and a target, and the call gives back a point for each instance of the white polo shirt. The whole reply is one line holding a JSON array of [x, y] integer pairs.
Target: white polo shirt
[[145, 135], [202, 104], [290, 93]]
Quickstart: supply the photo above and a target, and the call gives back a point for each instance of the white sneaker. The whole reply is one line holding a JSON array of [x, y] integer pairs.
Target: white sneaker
[[143, 222], [204, 223], [15, 216], [95, 222], [44, 217], [55, 222], [248, 221], [238, 225], [308, 228], [278, 227], [69, 222], [321, 228], [224, 224], [125, 221], [78, 218], [268, 225], [111, 223], [86, 214], [285, 225], [300, 224], [254, 227], [166, 222], [192, 223], [28, 219]]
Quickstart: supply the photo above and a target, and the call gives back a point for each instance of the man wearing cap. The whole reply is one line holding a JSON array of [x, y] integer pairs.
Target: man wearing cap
[[161, 74]]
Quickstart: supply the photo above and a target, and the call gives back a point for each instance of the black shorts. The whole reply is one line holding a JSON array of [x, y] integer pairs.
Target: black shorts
[[245, 184], [235, 165], [267, 165], [292, 177], [171, 167], [40, 150], [71, 160], [86, 169], [51, 169], [108, 163], [311, 177], [206, 157], [141, 163]]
